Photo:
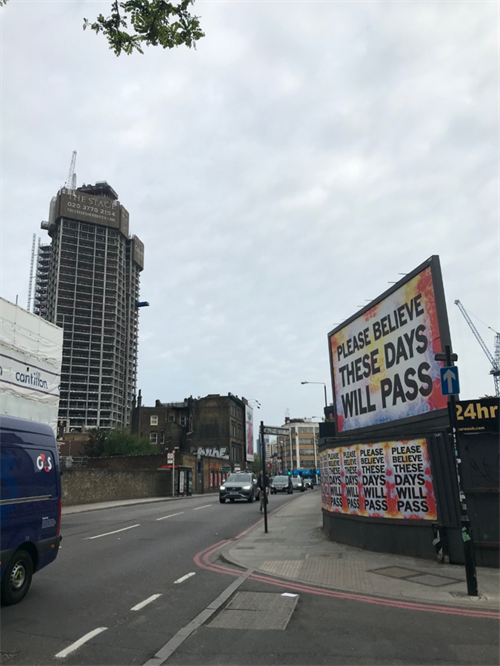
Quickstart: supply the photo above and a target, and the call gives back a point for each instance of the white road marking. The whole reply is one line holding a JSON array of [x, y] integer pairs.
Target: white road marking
[[74, 646], [180, 580], [183, 634], [201, 507], [171, 515], [145, 602], [114, 532]]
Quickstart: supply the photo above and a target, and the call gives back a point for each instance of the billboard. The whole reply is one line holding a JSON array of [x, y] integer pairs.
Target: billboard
[[138, 251], [385, 480], [481, 415], [249, 433], [77, 205], [382, 359]]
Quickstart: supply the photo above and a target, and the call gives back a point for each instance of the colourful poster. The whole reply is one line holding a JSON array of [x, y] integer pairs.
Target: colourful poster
[[384, 480], [249, 433], [383, 361]]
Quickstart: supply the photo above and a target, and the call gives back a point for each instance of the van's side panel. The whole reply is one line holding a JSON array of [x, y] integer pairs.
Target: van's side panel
[[30, 489]]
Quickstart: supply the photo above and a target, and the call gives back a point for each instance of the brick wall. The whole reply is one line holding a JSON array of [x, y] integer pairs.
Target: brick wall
[[82, 486]]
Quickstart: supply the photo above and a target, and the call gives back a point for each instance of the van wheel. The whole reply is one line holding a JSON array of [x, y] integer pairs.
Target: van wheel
[[17, 578]]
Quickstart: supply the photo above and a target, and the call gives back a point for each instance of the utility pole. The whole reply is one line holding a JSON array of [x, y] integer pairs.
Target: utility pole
[[263, 458], [468, 543]]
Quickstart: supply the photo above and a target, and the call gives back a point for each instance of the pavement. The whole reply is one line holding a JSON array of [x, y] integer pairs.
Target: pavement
[[96, 506], [295, 548]]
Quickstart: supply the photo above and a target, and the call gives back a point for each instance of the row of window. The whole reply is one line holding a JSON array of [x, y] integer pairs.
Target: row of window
[[153, 419]]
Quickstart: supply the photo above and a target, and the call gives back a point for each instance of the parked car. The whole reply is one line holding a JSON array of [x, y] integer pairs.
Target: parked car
[[298, 483], [30, 506], [241, 485], [282, 484]]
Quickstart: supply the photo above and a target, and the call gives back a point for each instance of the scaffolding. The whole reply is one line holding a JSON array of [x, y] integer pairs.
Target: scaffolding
[[91, 289]]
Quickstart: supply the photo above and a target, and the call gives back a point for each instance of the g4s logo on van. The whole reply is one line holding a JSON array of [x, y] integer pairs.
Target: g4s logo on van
[[44, 462]]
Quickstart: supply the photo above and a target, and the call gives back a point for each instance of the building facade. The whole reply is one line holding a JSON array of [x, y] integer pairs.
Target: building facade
[[212, 427], [87, 281], [298, 450]]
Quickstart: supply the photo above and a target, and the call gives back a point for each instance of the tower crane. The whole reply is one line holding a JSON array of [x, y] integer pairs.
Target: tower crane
[[494, 360], [71, 179]]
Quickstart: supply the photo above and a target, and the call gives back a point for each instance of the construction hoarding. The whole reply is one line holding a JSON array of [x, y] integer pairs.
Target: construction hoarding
[[30, 365]]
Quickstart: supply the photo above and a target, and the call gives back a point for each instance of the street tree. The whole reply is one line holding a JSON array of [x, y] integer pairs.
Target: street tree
[[95, 443], [117, 441], [133, 24]]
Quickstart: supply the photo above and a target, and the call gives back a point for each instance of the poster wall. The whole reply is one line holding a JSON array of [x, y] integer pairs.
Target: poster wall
[[249, 433], [383, 365], [385, 480]]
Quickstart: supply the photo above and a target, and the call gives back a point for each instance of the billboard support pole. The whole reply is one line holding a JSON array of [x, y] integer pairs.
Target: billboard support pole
[[263, 459], [467, 539]]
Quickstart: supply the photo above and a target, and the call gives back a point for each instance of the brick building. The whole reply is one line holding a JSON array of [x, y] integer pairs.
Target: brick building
[[212, 427]]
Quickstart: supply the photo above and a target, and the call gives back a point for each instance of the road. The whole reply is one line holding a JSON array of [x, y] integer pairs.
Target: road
[[128, 574], [110, 561]]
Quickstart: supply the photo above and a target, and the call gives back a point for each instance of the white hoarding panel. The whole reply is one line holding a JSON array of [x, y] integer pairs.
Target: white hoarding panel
[[30, 365]]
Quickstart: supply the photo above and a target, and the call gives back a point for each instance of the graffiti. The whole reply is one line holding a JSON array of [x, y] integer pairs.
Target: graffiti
[[214, 452]]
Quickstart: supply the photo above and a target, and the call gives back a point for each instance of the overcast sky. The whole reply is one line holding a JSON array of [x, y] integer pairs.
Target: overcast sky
[[280, 176]]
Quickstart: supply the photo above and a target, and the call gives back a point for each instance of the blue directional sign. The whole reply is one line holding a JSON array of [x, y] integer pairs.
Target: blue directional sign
[[449, 381]]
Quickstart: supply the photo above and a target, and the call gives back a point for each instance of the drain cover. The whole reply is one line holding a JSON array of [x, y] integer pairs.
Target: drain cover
[[256, 610], [396, 572]]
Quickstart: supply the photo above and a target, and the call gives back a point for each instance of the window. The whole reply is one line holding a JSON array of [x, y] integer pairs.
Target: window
[[153, 437], [233, 429], [183, 421], [171, 418], [153, 420]]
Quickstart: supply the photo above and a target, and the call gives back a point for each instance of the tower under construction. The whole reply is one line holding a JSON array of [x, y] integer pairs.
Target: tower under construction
[[87, 281]]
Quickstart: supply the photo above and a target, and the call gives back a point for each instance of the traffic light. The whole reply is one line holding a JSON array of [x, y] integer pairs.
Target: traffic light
[[289, 473]]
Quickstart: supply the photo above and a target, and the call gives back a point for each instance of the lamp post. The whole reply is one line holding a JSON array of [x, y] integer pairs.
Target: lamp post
[[175, 448], [324, 386], [254, 400]]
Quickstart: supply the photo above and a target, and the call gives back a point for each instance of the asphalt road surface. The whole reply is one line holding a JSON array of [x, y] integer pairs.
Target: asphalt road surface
[[125, 584]]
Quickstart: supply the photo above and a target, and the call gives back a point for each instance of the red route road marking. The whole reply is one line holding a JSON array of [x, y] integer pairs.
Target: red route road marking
[[202, 560]]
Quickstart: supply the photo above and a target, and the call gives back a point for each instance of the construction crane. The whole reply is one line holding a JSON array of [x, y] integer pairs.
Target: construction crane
[[71, 180], [494, 360]]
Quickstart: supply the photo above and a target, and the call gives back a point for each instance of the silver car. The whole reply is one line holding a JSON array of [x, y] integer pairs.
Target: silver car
[[239, 486]]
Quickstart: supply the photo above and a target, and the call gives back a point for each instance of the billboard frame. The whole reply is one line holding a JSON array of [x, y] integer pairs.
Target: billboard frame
[[444, 332]]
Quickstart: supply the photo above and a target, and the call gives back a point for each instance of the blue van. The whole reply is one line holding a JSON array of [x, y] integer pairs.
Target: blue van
[[30, 504]]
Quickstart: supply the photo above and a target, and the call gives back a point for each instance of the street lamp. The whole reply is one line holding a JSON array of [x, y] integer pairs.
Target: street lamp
[[324, 385], [256, 402]]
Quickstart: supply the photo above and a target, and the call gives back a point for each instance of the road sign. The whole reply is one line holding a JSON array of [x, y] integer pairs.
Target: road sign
[[271, 430], [170, 457], [225, 469], [449, 381]]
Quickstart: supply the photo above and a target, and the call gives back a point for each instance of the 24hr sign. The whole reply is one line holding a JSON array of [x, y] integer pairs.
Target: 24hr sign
[[482, 414]]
